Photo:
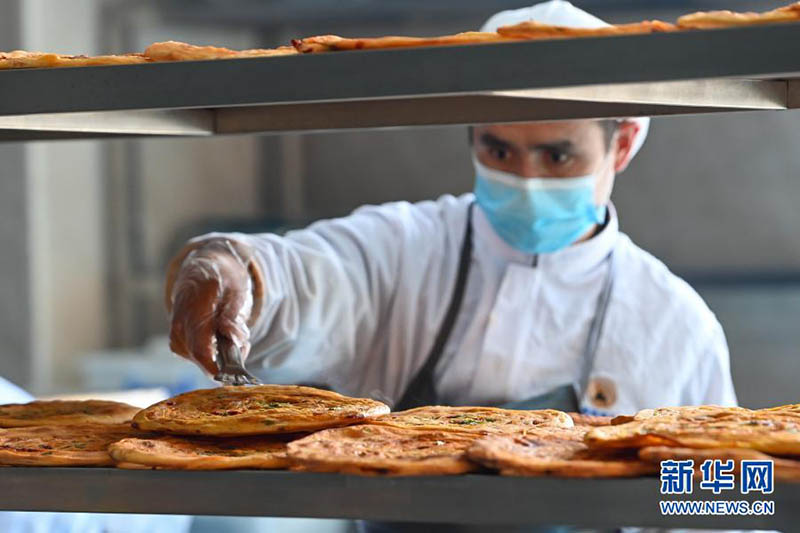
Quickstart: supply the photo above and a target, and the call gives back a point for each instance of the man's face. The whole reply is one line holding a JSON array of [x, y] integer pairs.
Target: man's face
[[562, 149]]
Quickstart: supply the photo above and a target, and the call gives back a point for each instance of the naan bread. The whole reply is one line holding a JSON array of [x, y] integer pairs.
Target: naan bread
[[255, 410], [329, 43], [474, 420], [554, 452], [178, 51], [197, 453], [381, 450], [724, 19], [23, 59], [703, 427], [784, 469], [75, 445], [59, 412], [537, 30]]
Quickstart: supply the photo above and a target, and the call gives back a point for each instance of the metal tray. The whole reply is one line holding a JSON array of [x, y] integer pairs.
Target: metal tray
[[470, 499], [715, 70]]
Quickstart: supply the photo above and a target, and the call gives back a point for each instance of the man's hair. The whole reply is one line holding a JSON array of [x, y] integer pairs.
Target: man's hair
[[608, 125]]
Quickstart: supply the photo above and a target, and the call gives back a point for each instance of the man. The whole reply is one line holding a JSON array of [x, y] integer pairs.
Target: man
[[524, 292]]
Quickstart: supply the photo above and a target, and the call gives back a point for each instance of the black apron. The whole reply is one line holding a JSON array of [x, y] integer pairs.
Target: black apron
[[422, 390]]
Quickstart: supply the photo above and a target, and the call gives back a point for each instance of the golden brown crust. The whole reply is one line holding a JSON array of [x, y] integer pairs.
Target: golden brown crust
[[256, 410], [178, 51], [581, 419], [538, 30], [554, 452], [784, 469], [197, 453], [724, 19], [382, 450], [703, 427], [74, 445], [60, 412], [330, 43], [473, 420], [23, 59]]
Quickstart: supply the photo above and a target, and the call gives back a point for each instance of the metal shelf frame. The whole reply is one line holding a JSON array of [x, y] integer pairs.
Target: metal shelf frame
[[735, 69], [727, 70], [471, 499]]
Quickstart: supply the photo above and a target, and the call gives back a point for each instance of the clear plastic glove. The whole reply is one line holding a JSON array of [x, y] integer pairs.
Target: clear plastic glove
[[210, 291]]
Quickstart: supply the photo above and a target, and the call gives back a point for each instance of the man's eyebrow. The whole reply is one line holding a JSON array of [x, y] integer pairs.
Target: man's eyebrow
[[557, 146], [490, 140]]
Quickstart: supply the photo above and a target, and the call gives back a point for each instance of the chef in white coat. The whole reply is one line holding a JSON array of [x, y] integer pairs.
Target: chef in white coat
[[524, 292]]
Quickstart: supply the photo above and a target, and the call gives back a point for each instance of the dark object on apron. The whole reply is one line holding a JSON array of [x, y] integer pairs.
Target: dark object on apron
[[422, 391]]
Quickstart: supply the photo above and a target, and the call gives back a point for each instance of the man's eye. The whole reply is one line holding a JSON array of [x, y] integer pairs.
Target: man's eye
[[555, 156], [499, 153]]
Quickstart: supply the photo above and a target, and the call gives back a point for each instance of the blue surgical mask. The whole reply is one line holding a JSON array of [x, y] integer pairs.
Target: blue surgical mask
[[537, 215]]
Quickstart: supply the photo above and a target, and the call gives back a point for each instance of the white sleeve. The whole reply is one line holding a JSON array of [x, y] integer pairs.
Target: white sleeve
[[713, 384], [10, 393], [332, 287]]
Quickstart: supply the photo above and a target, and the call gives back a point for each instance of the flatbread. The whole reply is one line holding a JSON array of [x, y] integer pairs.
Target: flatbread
[[22, 59], [381, 450], [60, 412], [537, 30], [331, 43], [473, 420], [724, 19], [784, 469], [555, 452], [704, 427], [197, 453], [74, 445], [178, 51], [581, 419], [257, 410]]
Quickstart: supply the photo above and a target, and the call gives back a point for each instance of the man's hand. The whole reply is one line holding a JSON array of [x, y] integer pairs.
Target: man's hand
[[210, 292]]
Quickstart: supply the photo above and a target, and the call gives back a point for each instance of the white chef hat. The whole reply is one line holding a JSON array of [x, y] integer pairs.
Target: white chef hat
[[561, 13]]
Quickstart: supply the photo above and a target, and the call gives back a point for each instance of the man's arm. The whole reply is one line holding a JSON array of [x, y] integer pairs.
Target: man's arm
[[327, 289]]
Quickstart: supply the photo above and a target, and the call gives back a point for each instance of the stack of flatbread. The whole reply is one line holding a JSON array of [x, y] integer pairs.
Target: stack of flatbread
[[223, 428], [707, 432], [530, 30], [430, 440], [308, 429]]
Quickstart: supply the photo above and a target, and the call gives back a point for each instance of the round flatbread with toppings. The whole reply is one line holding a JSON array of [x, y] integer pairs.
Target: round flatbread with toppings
[[198, 453], [331, 43], [536, 30], [554, 452], [74, 445], [704, 427], [381, 450], [256, 410], [178, 51], [60, 412], [703, 20], [784, 469], [23, 59], [474, 420]]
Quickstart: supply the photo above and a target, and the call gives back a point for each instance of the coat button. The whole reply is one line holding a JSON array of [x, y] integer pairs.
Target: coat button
[[601, 392]]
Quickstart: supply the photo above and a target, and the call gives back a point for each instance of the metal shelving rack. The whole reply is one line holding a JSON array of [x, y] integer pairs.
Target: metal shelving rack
[[753, 68]]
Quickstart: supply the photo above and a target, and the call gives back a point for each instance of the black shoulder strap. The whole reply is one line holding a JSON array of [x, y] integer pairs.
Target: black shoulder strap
[[422, 390]]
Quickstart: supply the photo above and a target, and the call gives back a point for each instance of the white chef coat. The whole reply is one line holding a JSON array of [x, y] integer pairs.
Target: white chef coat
[[25, 522], [356, 303]]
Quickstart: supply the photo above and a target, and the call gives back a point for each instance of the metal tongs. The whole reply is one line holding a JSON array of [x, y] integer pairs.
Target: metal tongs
[[230, 364]]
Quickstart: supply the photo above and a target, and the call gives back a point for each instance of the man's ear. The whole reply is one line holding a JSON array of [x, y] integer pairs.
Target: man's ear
[[623, 144]]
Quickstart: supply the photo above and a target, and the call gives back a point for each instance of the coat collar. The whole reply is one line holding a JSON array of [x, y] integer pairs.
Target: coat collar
[[571, 261]]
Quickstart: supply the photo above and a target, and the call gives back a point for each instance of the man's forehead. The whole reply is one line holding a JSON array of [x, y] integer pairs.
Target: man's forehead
[[577, 131]]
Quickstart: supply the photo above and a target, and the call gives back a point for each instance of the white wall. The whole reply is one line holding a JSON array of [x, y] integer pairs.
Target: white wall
[[65, 212]]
